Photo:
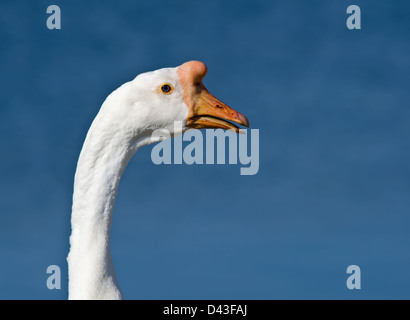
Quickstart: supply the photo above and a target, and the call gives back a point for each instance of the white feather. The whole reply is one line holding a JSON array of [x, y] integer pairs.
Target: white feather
[[124, 123]]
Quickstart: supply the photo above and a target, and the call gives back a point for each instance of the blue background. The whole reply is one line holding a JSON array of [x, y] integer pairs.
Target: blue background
[[332, 106]]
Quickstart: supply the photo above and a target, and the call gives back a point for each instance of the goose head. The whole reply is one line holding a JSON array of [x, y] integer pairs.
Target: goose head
[[126, 121], [156, 100]]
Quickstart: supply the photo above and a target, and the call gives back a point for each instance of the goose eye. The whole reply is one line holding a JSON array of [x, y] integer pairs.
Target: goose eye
[[166, 88]]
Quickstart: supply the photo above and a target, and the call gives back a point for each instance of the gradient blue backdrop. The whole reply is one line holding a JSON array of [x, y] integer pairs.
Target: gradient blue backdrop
[[333, 110]]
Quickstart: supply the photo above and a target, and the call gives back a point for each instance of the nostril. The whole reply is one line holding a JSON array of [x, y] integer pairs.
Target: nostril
[[219, 106]]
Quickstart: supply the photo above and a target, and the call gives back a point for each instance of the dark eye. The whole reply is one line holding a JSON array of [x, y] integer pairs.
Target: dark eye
[[166, 88]]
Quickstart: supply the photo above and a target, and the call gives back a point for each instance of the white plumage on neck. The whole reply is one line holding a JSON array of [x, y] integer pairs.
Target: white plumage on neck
[[121, 127]]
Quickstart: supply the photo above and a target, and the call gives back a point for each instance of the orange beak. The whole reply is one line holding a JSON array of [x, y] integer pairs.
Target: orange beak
[[206, 111]]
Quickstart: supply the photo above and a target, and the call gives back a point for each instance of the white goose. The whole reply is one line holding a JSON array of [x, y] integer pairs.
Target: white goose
[[128, 117]]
